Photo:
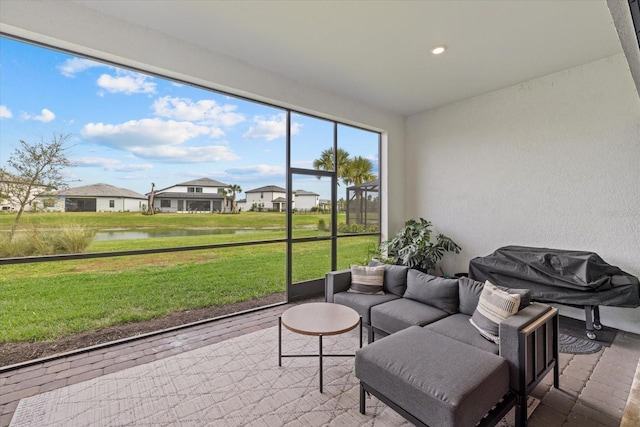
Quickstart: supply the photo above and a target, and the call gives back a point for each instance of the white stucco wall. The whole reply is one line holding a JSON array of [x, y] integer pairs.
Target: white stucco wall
[[71, 26], [553, 162], [120, 204], [267, 198], [306, 201]]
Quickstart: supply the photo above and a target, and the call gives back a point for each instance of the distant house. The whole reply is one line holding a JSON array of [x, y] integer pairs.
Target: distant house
[[269, 197], [306, 200], [98, 198], [10, 186], [241, 204], [199, 195], [272, 197]]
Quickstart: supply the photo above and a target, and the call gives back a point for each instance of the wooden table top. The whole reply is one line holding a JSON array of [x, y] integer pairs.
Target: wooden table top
[[320, 318]]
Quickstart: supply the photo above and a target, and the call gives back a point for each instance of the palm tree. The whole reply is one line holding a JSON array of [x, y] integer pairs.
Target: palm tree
[[235, 188], [325, 162], [225, 194], [360, 171]]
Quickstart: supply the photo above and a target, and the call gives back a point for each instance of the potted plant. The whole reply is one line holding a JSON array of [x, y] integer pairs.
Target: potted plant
[[412, 247]]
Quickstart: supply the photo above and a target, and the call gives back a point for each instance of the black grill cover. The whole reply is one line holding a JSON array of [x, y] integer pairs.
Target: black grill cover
[[561, 276]]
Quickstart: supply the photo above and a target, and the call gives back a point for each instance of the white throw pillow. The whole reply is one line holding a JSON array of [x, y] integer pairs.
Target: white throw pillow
[[494, 306], [367, 280]]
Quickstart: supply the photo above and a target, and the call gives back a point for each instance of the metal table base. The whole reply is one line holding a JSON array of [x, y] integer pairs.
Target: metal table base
[[320, 354]]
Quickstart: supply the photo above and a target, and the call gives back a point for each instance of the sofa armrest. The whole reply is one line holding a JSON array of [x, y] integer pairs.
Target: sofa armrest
[[336, 281], [529, 342]]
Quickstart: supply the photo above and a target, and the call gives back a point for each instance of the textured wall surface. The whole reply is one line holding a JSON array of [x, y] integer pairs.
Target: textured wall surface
[[553, 162]]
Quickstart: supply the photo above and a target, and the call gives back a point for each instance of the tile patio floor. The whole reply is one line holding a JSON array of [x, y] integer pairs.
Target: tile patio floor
[[594, 388]]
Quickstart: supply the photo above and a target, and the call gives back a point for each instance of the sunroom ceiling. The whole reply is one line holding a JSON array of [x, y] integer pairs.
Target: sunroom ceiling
[[378, 52]]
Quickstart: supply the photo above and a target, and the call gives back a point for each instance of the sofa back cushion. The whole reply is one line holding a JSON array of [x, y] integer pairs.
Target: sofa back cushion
[[525, 295], [395, 277], [436, 291], [469, 292]]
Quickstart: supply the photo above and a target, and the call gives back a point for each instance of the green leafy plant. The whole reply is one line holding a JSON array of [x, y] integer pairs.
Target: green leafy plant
[[412, 246]]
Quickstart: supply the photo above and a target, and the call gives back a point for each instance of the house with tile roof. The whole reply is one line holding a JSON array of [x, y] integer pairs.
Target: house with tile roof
[[273, 197], [269, 197], [95, 198], [11, 186], [198, 195]]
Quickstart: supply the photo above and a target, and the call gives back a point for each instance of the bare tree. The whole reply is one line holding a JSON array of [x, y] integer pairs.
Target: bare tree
[[31, 170], [152, 196]]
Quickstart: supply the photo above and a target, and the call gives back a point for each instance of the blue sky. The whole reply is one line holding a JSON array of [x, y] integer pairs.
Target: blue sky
[[129, 129]]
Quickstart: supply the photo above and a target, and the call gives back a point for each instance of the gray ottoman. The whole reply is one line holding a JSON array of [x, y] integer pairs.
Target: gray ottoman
[[434, 380]]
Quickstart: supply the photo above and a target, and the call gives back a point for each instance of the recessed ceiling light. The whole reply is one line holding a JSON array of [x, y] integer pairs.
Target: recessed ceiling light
[[438, 50]]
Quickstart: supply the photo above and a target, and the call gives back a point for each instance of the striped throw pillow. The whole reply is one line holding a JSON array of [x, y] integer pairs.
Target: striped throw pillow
[[494, 306], [367, 280]]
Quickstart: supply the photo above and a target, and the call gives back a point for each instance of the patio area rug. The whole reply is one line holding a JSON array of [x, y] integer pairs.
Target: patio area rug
[[233, 383], [572, 339]]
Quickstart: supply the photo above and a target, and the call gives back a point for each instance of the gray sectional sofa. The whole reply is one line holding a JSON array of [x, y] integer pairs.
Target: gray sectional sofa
[[435, 368]]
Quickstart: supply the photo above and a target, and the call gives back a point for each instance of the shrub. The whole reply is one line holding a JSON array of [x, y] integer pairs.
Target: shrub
[[62, 239], [412, 246], [351, 228]]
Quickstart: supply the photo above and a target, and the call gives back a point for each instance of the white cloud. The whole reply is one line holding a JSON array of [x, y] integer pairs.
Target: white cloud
[[306, 164], [5, 113], [71, 67], [127, 83], [45, 116], [145, 132], [270, 128], [205, 110], [110, 165], [159, 140], [186, 154], [258, 170]]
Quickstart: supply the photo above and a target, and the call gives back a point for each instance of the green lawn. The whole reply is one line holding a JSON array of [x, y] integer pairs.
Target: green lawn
[[45, 301], [127, 220]]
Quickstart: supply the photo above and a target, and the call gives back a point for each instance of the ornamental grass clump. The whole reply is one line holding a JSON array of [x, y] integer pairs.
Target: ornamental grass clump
[[35, 241]]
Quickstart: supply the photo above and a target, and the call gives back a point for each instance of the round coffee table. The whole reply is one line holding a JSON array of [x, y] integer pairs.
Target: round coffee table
[[318, 319]]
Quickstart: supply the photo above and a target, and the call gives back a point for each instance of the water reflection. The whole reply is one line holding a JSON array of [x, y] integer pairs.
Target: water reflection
[[153, 233]]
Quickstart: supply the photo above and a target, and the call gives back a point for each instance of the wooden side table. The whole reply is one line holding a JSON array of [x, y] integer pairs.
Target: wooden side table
[[318, 319]]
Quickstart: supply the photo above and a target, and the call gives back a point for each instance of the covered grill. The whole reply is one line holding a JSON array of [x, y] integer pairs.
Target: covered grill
[[575, 278]]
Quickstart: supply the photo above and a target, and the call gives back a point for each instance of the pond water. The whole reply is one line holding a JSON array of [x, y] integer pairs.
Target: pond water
[[152, 233]]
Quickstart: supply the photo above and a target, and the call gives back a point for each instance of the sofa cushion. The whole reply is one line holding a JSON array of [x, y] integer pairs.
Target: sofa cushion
[[367, 280], [494, 306], [399, 314], [469, 291], [440, 381], [395, 277], [436, 291], [362, 303], [457, 326], [525, 295]]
